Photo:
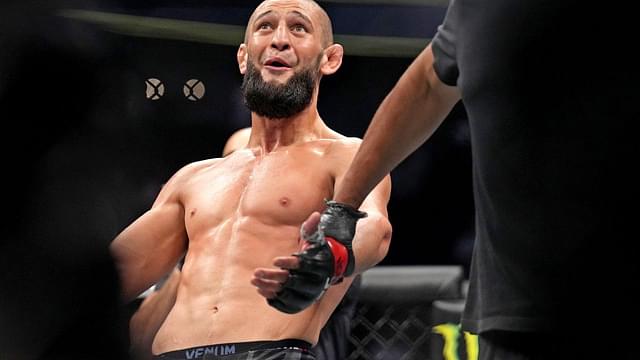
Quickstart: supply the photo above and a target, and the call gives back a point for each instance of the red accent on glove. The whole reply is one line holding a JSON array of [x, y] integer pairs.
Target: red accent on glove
[[340, 258]]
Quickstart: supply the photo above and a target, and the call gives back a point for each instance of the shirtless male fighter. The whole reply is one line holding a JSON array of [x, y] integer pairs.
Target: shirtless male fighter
[[235, 217], [333, 342]]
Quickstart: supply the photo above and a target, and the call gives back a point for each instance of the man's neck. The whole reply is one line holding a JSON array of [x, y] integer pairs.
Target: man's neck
[[270, 134]]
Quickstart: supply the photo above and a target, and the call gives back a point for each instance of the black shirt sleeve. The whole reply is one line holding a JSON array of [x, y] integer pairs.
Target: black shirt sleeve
[[444, 47]]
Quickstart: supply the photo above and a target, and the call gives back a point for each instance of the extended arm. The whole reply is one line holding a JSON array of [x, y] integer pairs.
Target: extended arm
[[407, 117], [152, 245]]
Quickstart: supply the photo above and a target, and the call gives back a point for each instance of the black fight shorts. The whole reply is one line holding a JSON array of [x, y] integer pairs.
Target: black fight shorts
[[290, 349]]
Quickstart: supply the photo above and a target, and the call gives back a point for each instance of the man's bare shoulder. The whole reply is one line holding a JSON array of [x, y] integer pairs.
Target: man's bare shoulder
[[349, 141], [334, 135], [198, 166], [330, 145], [237, 140], [345, 144], [172, 189], [181, 179], [188, 171]]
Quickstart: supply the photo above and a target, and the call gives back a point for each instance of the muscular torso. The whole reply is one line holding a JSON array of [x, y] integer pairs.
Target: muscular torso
[[240, 213]]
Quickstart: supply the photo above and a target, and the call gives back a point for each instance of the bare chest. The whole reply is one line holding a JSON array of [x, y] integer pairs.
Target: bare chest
[[275, 190]]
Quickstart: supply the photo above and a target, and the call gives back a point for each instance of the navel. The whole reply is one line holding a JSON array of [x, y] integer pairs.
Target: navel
[[193, 212]]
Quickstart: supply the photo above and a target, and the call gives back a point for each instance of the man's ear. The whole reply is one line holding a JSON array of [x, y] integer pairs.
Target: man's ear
[[242, 58], [333, 55]]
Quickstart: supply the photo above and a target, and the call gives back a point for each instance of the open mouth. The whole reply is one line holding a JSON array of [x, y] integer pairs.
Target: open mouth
[[277, 63]]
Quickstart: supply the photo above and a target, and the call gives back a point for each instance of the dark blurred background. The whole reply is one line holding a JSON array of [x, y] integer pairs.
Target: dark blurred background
[[96, 119]]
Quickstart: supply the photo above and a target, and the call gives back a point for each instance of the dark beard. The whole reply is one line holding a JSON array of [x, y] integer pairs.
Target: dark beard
[[277, 101]]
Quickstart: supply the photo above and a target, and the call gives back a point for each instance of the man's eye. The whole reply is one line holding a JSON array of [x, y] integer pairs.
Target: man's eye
[[264, 26], [298, 28]]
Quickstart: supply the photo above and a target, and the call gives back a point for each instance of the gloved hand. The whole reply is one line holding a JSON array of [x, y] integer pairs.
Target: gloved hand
[[325, 259]]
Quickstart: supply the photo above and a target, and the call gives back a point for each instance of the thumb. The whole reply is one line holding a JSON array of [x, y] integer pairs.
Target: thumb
[[310, 225]]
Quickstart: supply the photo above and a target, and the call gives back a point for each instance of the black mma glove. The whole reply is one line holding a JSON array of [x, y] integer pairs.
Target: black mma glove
[[326, 258]]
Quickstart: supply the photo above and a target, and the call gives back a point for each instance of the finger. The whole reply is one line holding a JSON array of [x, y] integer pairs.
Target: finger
[[277, 275], [287, 262], [267, 294], [266, 285], [310, 225]]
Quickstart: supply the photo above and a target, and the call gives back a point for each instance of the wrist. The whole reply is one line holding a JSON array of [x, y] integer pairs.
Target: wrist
[[343, 259], [344, 208], [338, 221]]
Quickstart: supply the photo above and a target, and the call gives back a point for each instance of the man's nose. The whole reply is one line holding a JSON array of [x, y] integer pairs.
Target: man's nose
[[280, 39]]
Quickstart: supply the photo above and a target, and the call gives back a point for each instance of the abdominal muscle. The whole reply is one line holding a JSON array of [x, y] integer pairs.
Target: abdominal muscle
[[216, 302]]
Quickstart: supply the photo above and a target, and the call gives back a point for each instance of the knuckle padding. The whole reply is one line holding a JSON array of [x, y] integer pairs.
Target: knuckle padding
[[305, 284], [287, 307], [316, 260]]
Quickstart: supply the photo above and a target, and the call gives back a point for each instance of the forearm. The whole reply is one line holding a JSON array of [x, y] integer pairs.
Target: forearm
[[134, 271], [407, 117], [146, 321], [371, 243], [149, 248]]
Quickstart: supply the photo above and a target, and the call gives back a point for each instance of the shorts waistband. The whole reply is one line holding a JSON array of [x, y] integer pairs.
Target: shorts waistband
[[198, 352]]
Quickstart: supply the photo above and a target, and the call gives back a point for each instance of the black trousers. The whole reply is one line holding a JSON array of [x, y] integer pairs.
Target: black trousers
[[578, 344]]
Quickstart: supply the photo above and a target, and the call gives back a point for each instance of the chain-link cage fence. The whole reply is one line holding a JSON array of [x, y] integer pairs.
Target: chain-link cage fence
[[395, 316]]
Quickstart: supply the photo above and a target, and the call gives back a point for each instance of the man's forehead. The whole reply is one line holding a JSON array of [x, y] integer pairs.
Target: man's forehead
[[306, 8]]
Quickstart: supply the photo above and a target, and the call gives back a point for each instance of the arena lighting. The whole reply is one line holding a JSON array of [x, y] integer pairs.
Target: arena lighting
[[232, 35], [441, 3]]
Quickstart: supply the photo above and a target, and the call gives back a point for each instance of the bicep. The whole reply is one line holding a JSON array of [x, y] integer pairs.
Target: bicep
[[148, 248], [160, 233], [161, 230]]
